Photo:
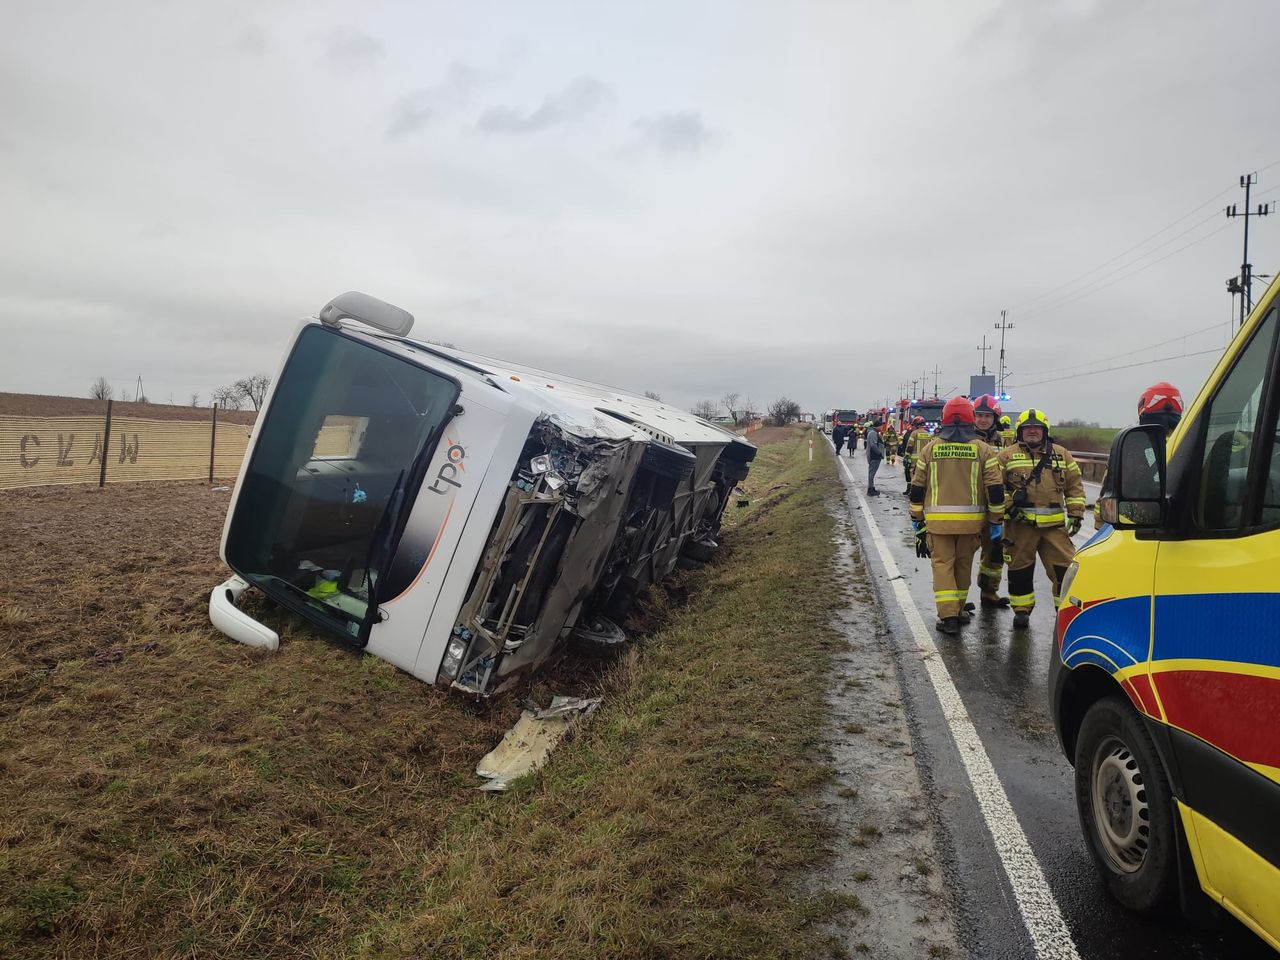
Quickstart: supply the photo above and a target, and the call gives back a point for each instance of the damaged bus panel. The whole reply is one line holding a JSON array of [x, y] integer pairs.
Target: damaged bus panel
[[458, 516]]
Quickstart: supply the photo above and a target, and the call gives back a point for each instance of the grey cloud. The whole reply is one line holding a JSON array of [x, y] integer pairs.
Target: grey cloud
[[418, 108], [579, 100], [252, 41], [678, 134], [347, 48]]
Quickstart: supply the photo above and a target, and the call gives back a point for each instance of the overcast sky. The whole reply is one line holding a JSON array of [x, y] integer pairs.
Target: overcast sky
[[813, 199]]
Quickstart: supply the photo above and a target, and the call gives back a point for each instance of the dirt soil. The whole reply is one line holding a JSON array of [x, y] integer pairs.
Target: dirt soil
[[165, 791], [886, 855], [37, 405]]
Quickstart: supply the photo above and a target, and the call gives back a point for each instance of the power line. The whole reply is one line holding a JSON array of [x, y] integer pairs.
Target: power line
[[1125, 366], [1126, 276], [1245, 288], [1125, 253], [1127, 353], [1085, 291]]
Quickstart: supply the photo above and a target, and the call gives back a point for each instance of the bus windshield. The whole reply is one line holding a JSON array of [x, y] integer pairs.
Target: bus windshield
[[330, 474]]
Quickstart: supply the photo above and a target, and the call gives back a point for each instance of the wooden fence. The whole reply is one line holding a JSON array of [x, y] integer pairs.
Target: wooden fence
[[43, 451]]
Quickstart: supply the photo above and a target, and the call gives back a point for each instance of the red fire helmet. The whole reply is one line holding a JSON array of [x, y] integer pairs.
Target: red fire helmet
[[957, 410], [987, 404], [1160, 397]]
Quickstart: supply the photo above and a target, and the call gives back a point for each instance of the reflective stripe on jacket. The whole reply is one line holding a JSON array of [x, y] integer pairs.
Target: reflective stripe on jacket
[[920, 439], [1058, 493], [955, 478]]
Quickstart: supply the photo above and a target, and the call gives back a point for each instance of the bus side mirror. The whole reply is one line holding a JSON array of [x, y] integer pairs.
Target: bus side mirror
[[1134, 497]]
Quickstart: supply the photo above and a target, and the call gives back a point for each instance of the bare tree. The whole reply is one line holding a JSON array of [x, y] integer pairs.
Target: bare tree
[[254, 388], [228, 398], [101, 390], [195, 399], [706, 409], [784, 411], [653, 395], [730, 402]]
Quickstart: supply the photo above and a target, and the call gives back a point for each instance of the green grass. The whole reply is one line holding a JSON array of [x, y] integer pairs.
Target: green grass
[[185, 796], [674, 825], [1096, 439]]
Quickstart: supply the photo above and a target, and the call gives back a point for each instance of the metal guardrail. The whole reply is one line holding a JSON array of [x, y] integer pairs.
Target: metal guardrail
[[1092, 464], [1090, 456]]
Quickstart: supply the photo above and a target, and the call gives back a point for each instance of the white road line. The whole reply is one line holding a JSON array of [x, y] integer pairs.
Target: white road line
[[1040, 911]]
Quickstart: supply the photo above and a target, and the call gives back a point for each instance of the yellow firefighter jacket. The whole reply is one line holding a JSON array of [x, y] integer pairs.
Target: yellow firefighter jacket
[[1058, 492], [1007, 437], [920, 438], [956, 486]]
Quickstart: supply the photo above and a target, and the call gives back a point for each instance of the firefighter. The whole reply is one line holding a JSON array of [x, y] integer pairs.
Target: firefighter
[[1007, 438], [1160, 403], [1045, 509], [986, 416], [908, 460], [956, 493], [919, 440], [891, 443]]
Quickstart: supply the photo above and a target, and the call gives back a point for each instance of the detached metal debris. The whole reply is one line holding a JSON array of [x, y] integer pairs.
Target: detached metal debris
[[526, 746]]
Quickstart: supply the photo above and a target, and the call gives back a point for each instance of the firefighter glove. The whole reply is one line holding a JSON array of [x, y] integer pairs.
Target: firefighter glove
[[922, 544], [1073, 526]]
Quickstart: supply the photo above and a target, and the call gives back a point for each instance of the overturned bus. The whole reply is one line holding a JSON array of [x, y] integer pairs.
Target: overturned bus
[[457, 516]]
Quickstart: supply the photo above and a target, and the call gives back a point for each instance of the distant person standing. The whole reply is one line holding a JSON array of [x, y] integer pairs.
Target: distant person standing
[[875, 453], [838, 434], [1161, 404]]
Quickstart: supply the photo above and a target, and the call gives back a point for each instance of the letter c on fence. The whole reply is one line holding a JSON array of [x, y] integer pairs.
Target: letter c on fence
[[22, 450]]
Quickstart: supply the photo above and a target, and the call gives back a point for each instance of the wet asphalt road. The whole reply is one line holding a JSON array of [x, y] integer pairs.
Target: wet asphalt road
[[1001, 679]]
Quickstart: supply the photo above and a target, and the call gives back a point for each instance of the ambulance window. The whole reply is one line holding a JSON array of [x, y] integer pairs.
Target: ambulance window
[[1232, 427]]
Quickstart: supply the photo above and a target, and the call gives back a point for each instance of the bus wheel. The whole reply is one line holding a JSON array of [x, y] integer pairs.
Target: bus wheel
[[1125, 807]]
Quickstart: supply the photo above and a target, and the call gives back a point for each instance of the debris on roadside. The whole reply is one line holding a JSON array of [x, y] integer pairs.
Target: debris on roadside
[[526, 746]]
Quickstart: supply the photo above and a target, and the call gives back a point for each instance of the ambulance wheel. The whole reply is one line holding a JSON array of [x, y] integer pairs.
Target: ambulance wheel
[[1126, 807]]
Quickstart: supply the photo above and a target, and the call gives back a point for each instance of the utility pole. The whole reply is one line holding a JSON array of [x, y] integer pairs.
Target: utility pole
[[924, 382], [137, 390], [984, 348], [1245, 287], [936, 371], [913, 389], [1002, 326]]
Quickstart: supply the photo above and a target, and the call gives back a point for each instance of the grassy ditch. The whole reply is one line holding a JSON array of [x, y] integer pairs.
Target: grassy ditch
[[1096, 439], [673, 825], [167, 793]]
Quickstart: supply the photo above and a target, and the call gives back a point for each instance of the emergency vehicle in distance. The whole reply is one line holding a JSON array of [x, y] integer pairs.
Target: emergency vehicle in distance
[[827, 420], [930, 408], [844, 418], [1165, 679], [455, 515]]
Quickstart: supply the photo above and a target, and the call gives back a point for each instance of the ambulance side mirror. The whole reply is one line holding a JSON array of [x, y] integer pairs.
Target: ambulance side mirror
[[1134, 494]]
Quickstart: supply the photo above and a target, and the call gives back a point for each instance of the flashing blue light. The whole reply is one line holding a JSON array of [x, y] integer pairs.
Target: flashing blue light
[[1005, 397]]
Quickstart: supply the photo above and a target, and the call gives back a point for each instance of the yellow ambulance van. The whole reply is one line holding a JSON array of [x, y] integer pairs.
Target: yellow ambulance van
[[1165, 677]]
